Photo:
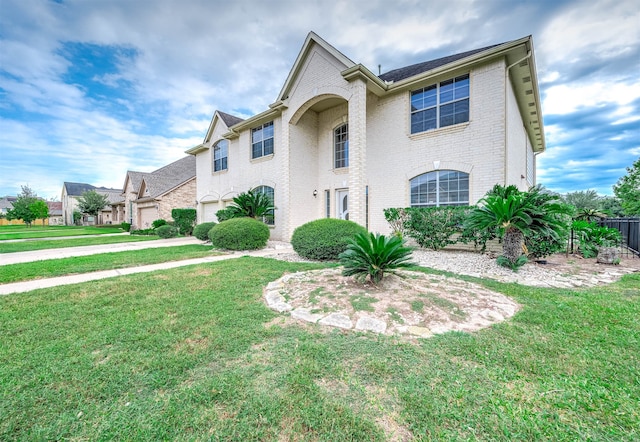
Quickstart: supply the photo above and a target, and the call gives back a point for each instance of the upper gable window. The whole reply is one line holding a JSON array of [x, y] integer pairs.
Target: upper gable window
[[440, 105], [341, 147], [220, 155], [262, 140]]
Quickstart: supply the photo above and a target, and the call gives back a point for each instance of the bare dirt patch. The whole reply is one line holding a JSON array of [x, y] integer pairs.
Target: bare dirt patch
[[411, 303]]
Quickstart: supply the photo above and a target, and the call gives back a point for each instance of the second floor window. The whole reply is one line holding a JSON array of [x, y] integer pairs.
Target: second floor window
[[262, 140], [220, 154], [440, 105], [341, 147]]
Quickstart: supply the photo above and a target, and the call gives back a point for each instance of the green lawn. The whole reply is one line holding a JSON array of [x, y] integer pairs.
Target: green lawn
[[25, 246], [193, 354], [104, 261], [23, 232]]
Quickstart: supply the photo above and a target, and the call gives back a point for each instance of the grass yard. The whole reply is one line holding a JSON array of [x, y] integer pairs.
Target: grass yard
[[25, 246], [24, 232], [193, 354], [104, 261]]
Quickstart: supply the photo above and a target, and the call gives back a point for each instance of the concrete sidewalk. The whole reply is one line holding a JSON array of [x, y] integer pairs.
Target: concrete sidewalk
[[67, 252], [25, 286]]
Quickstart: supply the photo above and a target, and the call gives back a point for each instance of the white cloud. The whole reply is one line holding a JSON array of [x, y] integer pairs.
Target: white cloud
[[567, 98]]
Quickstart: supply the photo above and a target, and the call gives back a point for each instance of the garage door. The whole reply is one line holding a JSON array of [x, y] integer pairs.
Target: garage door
[[209, 212], [147, 216]]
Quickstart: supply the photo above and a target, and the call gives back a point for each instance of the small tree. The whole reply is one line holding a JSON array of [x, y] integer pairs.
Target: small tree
[[40, 210], [184, 220], [92, 203], [22, 206], [627, 189]]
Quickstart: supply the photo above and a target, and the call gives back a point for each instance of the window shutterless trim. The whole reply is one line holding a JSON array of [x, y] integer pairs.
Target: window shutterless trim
[[440, 105]]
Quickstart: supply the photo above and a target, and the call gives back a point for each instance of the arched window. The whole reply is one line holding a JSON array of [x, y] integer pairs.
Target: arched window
[[341, 147], [440, 188], [269, 218], [220, 154]]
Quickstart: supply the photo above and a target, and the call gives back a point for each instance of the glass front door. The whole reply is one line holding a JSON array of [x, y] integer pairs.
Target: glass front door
[[342, 204]]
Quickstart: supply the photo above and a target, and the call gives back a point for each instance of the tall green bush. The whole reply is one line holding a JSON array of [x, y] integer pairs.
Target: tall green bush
[[239, 234], [184, 220], [324, 239]]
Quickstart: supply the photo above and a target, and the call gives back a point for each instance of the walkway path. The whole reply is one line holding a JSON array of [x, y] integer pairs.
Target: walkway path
[[68, 252], [52, 238], [25, 286]]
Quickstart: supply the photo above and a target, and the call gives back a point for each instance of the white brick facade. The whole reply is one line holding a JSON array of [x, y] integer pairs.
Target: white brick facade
[[326, 90]]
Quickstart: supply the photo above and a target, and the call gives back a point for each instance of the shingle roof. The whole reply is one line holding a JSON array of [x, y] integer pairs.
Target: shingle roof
[[55, 208], [169, 176], [135, 178], [228, 119], [77, 189], [418, 68]]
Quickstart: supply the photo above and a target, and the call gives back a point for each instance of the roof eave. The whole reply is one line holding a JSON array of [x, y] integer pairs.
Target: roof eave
[[197, 149]]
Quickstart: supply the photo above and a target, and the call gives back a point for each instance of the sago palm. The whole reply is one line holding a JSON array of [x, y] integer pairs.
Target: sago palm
[[251, 204], [373, 255]]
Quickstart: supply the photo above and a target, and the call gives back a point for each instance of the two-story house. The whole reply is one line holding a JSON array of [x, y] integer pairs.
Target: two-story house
[[340, 141]]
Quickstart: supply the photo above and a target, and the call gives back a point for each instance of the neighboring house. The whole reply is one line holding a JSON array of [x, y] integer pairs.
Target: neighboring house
[[70, 194], [55, 213], [6, 204], [147, 197], [342, 142]]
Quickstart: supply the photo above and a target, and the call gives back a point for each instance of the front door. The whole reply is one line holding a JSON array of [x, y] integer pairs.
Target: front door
[[342, 204]]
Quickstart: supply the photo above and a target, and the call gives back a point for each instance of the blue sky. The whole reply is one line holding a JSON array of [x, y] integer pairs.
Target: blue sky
[[91, 89]]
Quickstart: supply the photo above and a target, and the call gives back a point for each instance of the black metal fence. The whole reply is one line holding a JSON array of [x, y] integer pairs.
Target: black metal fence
[[630, 230]]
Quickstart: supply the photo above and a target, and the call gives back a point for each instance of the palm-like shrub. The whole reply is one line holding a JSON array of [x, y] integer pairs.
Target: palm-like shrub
[[515, 215], [373, 255], [251, 204]]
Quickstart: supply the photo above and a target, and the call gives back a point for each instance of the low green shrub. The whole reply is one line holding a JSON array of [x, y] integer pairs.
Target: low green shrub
[[143, 232], [158, 223], [513, 265], [434, 227], [397, 219], [370, 255], [239, 234], [201, 231], [184, 220], [125, 226], [166, 231], [591, 236], [224, 214], [324, 239]]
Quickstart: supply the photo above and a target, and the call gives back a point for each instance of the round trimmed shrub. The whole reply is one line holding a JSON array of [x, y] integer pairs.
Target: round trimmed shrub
[[167, 231], [201, 231], [325, 238], [158, 223], [239, 234]]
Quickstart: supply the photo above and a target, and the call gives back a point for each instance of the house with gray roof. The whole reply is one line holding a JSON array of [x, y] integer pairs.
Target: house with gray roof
[[342, 142], [72, 191], [147, 197]]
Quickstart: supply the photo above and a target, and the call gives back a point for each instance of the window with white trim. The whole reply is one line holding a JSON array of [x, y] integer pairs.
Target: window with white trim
[[440, 188], [440, 105], [269, 218], [341, 147], [262, 140], [220, 154]]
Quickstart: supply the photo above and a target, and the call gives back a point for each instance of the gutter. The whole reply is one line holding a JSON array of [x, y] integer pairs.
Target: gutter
[[506, 79]]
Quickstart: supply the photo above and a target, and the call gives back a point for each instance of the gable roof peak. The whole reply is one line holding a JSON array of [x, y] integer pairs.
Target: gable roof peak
[[311, 40]]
